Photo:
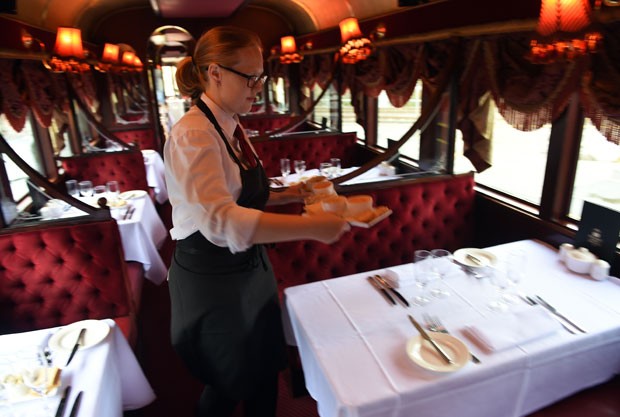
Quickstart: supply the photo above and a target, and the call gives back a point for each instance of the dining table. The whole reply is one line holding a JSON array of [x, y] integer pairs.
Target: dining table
[[155, 174], [107, 374], [372, 175], [356, 347]]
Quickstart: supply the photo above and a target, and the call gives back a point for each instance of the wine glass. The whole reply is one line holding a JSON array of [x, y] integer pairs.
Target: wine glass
[[335, 166], [285, 166], [500, 282], [326, 169], [300, 167], [515, 268], [37, 374], [112, 190], [442, 260], [86, 188], [423, 273]]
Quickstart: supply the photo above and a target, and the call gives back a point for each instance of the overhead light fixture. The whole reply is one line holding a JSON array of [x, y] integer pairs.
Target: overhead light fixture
[[566, 32], [354, 46], [288, 51], [68, 53]]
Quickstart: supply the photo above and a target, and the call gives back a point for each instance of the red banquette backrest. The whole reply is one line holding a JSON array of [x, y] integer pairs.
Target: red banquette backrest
[[313, 148], [428, 213], [59, 273], [265, 122], [145, 138], [126, 167]]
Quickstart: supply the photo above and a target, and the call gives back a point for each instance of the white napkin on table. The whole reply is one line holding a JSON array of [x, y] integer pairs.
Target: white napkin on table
[[397, 280], [502, 331]]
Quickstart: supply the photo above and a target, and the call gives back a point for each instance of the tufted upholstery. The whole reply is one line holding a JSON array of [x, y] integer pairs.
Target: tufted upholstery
[[428, 213], [126, 167], [145, 138], [62, 273], [264, 122], [313, 148]]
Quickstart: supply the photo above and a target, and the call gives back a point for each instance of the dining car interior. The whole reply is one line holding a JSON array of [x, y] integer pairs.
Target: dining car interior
[[473, 147]]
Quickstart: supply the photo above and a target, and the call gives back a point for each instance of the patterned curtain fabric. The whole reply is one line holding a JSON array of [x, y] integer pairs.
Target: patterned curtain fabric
[[40, 91], [13, 104]]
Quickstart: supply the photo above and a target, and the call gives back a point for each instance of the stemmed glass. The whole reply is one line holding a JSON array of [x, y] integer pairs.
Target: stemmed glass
[[285, 166], [442, 260], [72, 188], [326, 169], [499, 280], [37, 373], [300, 167], [335, 162], [515, 269], [423, 273]]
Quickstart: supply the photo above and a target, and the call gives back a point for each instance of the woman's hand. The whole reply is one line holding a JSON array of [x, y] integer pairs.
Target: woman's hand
[[329, 227]]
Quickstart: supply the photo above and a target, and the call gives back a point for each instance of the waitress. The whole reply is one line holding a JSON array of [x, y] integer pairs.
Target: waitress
[[226, 323]]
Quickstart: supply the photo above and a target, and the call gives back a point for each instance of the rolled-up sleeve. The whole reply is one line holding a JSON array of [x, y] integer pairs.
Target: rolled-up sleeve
[[204, 184]]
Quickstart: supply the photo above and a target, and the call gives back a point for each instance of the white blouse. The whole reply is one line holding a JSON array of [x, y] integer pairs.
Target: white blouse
[[204, 182]]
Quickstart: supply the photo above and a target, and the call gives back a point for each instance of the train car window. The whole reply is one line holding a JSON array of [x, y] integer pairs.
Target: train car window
[[349, 122], [323, 107], [518, 160], [25, 145], [395, 122], [598, 172]]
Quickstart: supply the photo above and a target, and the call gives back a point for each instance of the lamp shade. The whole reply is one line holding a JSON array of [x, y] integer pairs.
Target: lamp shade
[[288, 45], [129, 58], [563, 16], [110, 53], [69, 43], [349, 29]]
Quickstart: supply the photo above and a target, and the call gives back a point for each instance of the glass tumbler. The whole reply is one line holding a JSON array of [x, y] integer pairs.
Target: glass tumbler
[[72, 188], [300, 166], [86, 188], [285, 166], [335, 166], [112, 190]]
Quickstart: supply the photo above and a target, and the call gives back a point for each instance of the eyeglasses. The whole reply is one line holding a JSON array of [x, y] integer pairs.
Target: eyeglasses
[[252, 79]]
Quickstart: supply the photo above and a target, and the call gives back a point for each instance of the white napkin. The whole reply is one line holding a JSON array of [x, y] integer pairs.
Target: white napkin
[[502, 331], [397, 280]]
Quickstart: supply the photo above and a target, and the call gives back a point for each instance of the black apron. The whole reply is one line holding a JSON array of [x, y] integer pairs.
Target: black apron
[[226, 323]]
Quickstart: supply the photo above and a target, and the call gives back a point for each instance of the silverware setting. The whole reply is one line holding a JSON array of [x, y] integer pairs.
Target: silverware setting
[[78, 342], [129, 213], [434, 325], [375, 283], [539, 300], [389, 287], [426, 336], [76, 405], [63, 402]]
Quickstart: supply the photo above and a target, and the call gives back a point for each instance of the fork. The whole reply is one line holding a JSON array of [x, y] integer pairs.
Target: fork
[[434, 325]]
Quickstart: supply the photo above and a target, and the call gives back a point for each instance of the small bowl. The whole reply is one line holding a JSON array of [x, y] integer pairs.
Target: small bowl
[[580, 260]]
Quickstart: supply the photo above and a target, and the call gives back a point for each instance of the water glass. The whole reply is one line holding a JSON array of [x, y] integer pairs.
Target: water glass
[[423, 273], [326, 169], [285, 166], [99, 190], [335, 166], [500, 282], [72, 188], [86, 188], [112, 190], [300, 166], [441, 264]]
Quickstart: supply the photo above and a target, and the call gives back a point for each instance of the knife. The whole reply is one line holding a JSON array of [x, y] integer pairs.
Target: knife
[[76, 345], [390, 288], [76, 405], [430, 339], [63, 402], [475, 259], [387, 295], [557, 313]]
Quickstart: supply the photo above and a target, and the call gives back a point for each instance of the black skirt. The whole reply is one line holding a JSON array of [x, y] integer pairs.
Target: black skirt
[[226, 321]]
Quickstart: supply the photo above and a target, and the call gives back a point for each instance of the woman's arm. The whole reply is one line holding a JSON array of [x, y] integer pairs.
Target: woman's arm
[[326, 228]]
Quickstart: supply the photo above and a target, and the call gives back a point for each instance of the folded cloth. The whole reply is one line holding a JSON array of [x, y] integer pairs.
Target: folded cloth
[[397, 280], [503, 331]]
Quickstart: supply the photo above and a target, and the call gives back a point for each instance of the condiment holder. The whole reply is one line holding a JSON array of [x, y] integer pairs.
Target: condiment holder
[[582, 261]]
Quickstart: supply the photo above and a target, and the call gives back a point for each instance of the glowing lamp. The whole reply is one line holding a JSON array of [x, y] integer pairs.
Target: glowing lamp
[[69, 43], [110, 53]]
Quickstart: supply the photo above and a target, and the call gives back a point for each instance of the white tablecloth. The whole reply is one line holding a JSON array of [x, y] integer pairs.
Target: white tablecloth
[[142, 235], [108, 374], [372, 175], [352, 344], [155, 177]]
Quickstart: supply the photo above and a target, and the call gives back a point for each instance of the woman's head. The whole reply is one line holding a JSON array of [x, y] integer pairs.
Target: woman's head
[[227, 65]]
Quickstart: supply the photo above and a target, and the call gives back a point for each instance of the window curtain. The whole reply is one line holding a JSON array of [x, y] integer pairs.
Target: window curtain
[[13, 104]]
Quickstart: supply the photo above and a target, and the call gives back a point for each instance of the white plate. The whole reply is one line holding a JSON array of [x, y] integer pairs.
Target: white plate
[[129, 195], [486, 257], [424, 354], [381, 213], [64, 339]]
